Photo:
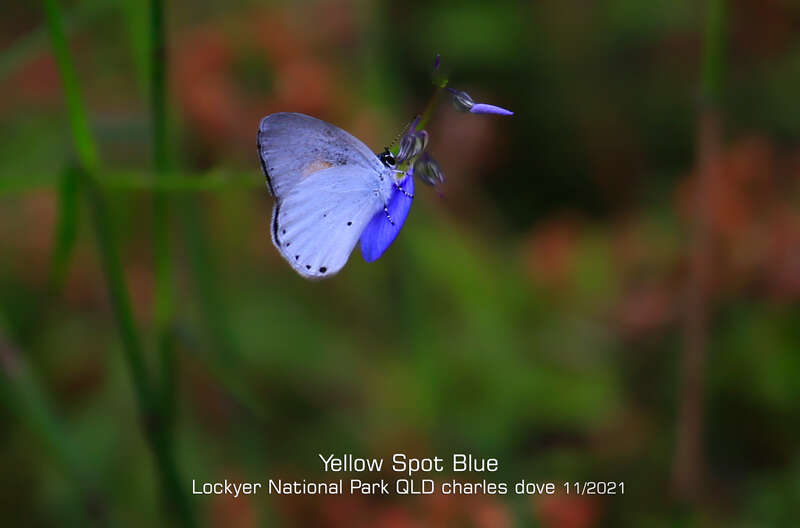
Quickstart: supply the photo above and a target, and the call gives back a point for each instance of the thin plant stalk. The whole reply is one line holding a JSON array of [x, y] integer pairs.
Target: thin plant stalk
[[137, 20], [202, 269], [84, 145], [111, 265], [432, 103], [204, 276], [151, 411], [66, 233], [689, 465], [161, 213]]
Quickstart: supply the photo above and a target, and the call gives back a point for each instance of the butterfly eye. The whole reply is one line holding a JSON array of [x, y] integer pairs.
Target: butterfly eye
[[387, 158]]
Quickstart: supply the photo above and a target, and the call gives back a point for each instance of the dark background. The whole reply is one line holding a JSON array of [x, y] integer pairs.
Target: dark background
[[540, 312]]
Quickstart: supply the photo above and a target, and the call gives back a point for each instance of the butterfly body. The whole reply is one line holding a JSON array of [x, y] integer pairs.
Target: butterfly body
[[328, 187]]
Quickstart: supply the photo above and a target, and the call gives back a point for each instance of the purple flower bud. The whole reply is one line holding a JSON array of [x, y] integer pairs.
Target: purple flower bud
[[406, 150], [481, 108], [412, 145], [462, 101], [436, 63], [427, 170]]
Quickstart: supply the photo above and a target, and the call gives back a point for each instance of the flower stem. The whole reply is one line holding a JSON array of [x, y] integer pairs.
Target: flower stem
[[421, 120], [432, 102]]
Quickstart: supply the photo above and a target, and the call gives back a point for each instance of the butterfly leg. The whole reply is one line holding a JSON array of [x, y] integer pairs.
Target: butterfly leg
[[403, 190], [388, 216]]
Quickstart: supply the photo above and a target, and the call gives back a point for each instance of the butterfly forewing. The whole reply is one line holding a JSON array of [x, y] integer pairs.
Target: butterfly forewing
[[294, 146], [318, 222]]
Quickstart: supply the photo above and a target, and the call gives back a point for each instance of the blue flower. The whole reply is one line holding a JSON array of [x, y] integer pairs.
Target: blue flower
[[481, 108], [464, 103], [384, 227]]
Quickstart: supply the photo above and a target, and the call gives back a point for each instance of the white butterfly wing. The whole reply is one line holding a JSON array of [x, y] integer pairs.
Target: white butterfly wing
[[318, 222], [293, 146]]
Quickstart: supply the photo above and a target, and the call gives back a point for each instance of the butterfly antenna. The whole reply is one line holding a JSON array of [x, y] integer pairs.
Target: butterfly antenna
[[403, 131]]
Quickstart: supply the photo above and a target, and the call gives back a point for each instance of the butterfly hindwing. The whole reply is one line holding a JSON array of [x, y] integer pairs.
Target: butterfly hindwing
[[294, 146], [317, 223]]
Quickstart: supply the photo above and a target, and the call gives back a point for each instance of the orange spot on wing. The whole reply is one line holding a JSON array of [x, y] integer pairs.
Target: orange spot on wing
[[315, 166]]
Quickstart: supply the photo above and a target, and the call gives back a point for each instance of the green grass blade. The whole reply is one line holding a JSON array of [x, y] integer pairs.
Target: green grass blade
[[204, 276], [138, 25], [120, 299], [66, 228], [84, 145], [153, 418], [161, 211], [151, 415]]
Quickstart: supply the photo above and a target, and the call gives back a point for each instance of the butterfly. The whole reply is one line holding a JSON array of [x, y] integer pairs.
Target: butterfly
[[330, 192]]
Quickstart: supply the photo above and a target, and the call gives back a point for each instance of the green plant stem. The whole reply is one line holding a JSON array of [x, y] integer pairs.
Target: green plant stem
[[120, 299], [426, 115], [204, 276], [137, 21], [85, 147], [66, 228], [150, 412], [161, 213]]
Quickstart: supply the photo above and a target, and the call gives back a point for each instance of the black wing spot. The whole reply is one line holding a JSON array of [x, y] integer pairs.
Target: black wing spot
[[323, 269], [264, 164], [308, 266], [349, 223], [283, 231], [297, 257], [325, 215], [275, 222], [288, 244]]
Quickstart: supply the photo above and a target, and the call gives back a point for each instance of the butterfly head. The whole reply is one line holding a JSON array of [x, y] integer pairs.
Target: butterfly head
[[387, 158]]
